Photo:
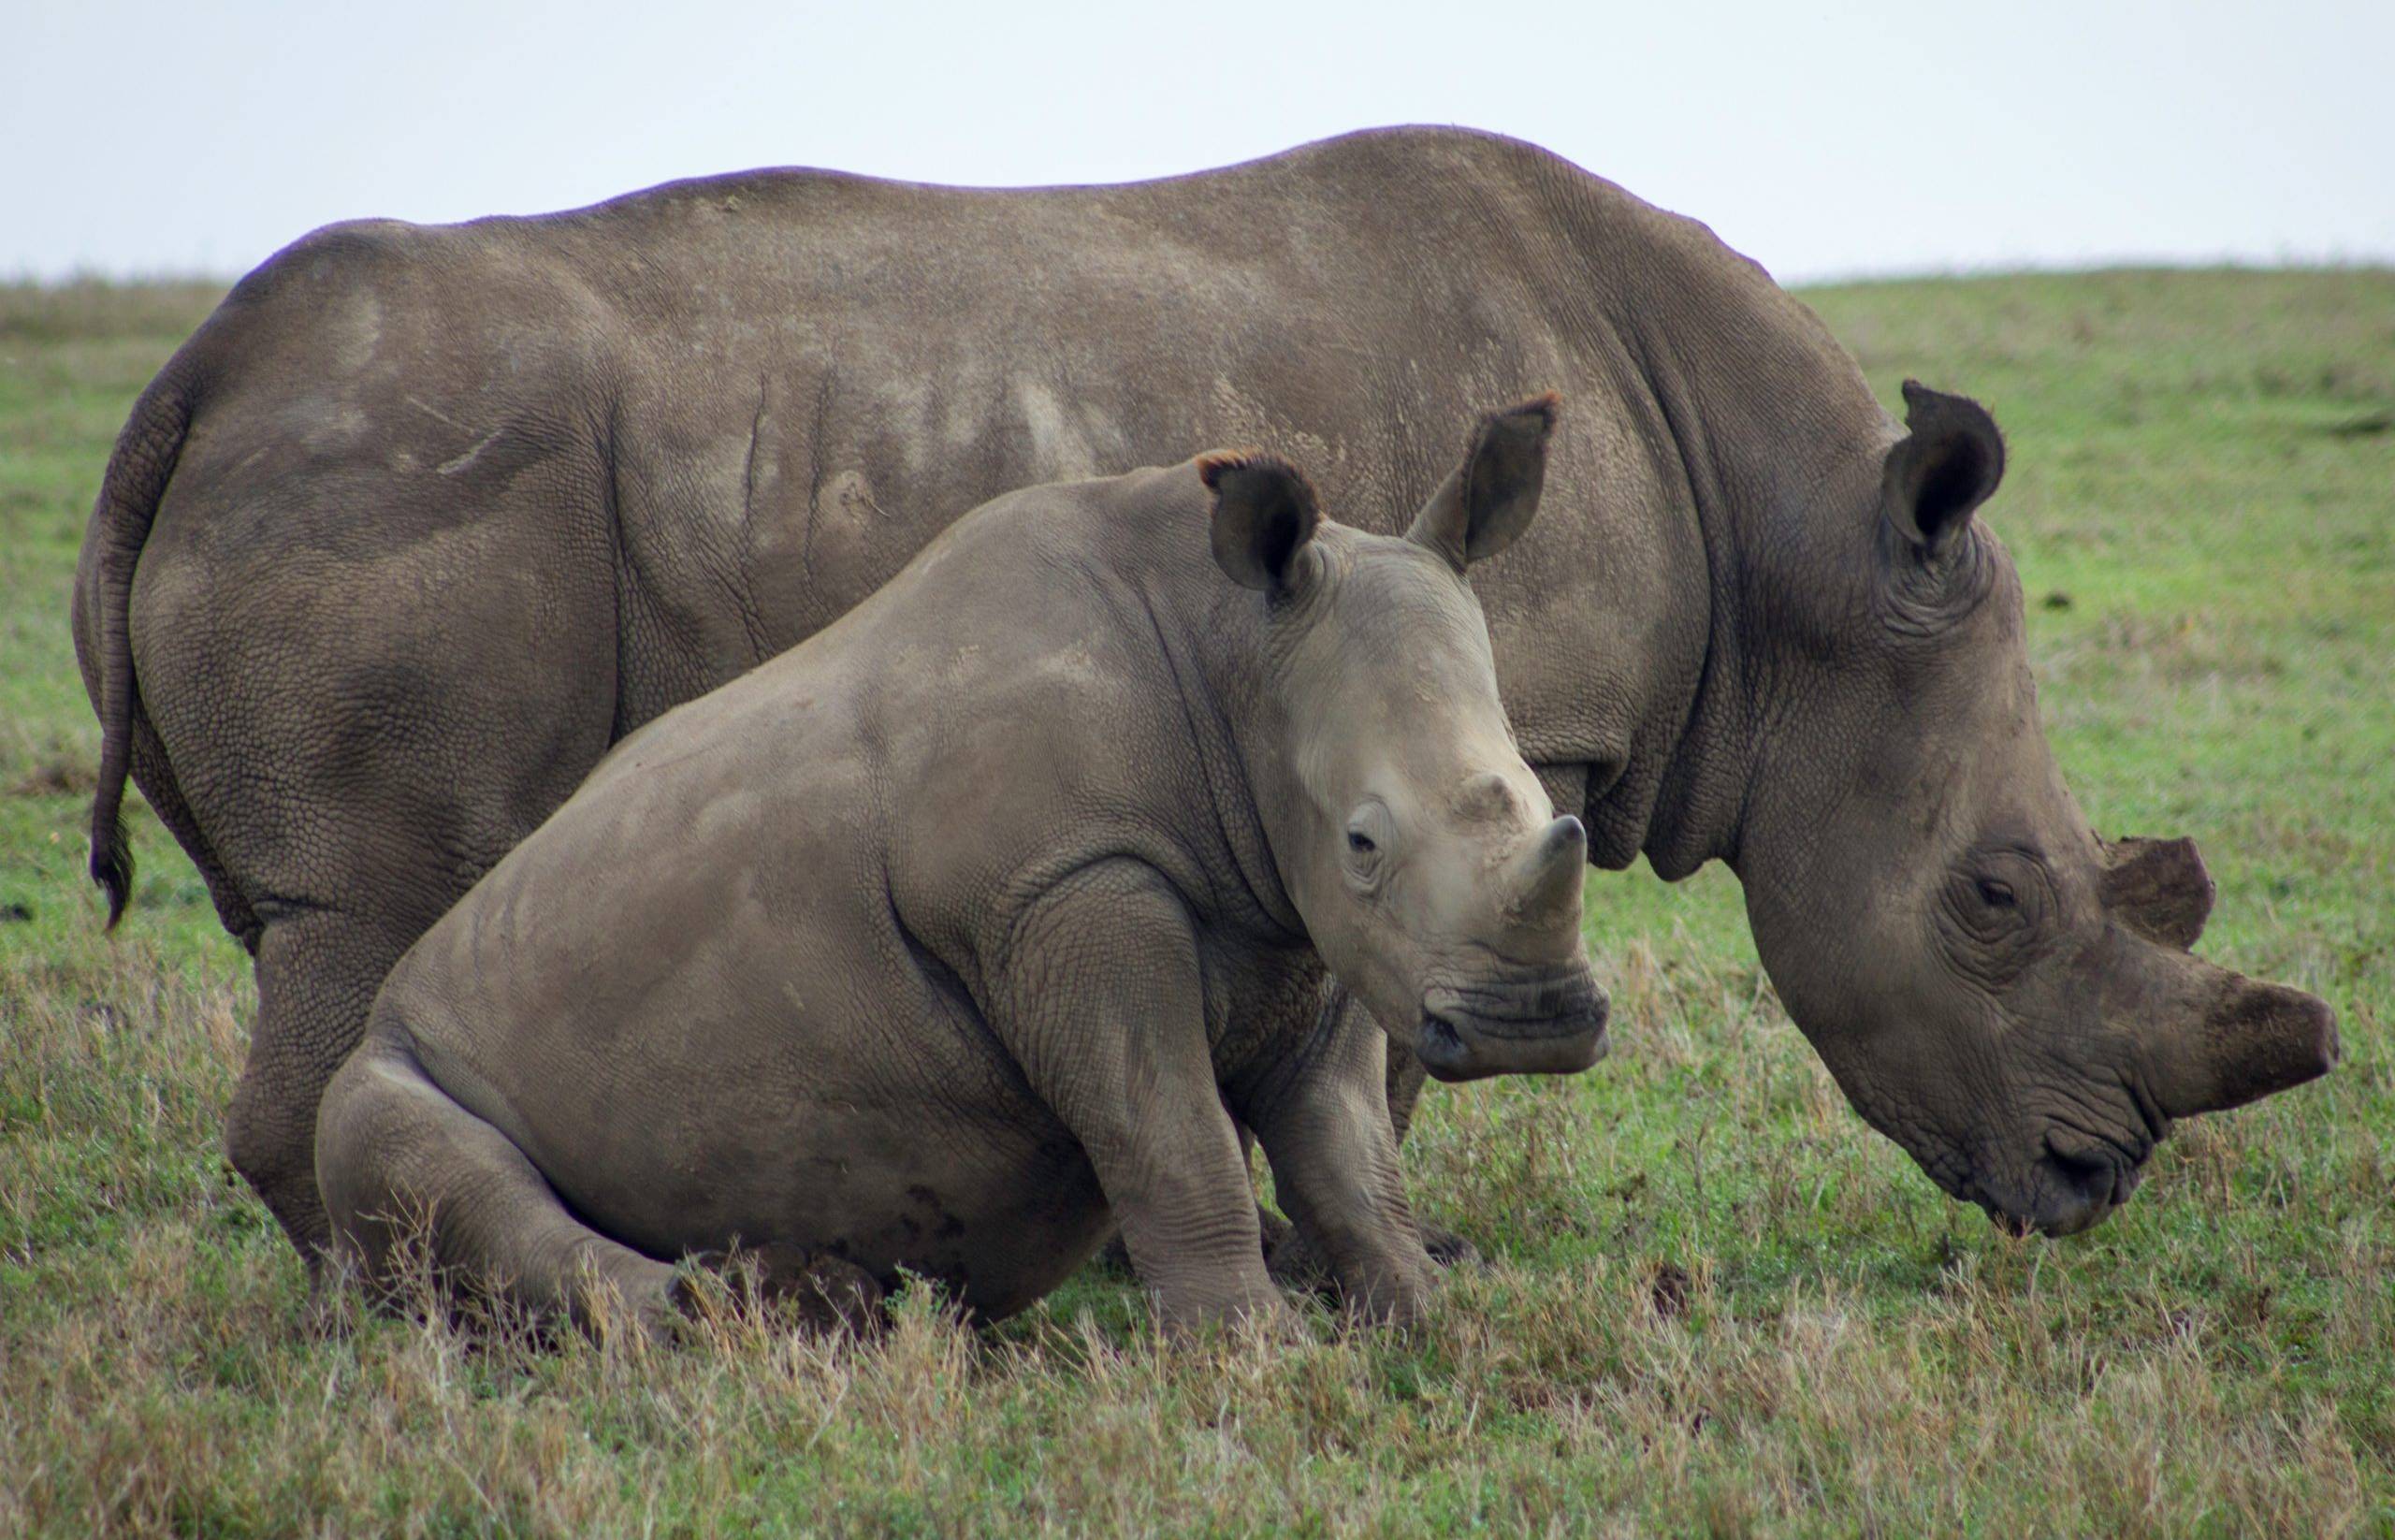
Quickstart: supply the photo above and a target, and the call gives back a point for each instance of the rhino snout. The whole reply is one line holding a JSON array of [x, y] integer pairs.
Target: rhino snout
[[2074, 1182], [1549, 1025]]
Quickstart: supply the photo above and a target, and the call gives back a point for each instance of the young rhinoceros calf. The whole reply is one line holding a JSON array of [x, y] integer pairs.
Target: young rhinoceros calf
[[960, 933]]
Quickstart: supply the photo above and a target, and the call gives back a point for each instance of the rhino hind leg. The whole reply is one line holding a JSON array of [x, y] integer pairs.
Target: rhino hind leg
[[406, 1169], [344, 756], [317, 972]]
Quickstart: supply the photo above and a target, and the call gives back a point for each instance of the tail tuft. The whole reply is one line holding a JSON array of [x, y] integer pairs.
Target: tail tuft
[[112, 862]]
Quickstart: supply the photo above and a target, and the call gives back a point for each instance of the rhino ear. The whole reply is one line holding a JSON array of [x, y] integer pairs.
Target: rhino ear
[[2159, 888], [1938, 473], [1265, 511], [1491, 499]]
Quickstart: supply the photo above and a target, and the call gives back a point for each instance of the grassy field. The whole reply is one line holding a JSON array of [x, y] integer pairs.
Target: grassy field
[[1716, 1303]]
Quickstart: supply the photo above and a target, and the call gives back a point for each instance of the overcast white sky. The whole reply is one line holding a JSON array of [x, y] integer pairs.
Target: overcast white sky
[[1824, 140]]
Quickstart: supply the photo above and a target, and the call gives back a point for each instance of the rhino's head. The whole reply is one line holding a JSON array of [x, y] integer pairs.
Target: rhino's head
[[2008, 996], [1424, 857]]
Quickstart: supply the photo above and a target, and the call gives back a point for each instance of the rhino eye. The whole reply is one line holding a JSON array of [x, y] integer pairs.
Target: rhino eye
[[1367, 831], [1994, 912]]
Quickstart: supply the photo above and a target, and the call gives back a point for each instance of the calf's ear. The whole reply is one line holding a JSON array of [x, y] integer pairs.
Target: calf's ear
[[1938, 473], [1265, 511], [1489, 500]]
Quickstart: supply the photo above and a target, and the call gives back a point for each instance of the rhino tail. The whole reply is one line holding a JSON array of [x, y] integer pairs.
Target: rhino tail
[[137, 472]]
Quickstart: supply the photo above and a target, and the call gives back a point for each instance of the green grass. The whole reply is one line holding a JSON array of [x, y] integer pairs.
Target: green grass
[[1718, 1304]]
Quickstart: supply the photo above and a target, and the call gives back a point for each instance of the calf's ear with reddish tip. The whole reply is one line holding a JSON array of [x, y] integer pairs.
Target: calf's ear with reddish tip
[[1265, 511], [1491, 499], [1936, 475]]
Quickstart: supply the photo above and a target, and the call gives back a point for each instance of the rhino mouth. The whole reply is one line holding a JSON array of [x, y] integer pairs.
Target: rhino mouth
[[1550, 1025], [2074, 1182]]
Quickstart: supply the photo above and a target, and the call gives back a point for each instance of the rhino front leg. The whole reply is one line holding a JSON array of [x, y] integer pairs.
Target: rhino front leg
[[1102, 1002], [1297, 1260], [1402, 1082], [1322, 1116]]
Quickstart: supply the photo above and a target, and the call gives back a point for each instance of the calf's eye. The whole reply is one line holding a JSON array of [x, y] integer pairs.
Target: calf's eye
[[1994, 894], [1369, 832]]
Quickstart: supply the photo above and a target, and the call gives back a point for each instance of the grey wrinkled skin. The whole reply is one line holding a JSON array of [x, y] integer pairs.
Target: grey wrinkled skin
[[964, 930], [424, 518]]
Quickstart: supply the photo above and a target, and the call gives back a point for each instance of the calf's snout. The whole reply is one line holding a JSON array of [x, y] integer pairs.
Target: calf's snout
[[1552, 1024]]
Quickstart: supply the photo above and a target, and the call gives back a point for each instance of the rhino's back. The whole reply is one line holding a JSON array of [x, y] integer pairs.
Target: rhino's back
[[750, 398], [515, 487], [815, 371]]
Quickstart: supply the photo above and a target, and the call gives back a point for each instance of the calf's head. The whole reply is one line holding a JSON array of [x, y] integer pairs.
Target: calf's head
[[1429, 866], [2007, 996]]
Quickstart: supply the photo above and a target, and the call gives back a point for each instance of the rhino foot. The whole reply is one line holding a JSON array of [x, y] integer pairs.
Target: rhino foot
[[1298, 1264], [1295, 1263], [1115, 1257], [820, 1293], [1448, 1249]]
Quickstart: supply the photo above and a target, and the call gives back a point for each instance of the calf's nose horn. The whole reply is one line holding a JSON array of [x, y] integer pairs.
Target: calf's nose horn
[[1551, 870]]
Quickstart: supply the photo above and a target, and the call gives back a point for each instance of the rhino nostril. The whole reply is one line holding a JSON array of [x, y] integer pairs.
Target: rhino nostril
[[2090, 1184], [2085, 1178]]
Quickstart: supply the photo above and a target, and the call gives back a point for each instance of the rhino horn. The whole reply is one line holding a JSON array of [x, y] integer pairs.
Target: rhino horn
[[2159, 888], [1548, 874], [2252, 1040]]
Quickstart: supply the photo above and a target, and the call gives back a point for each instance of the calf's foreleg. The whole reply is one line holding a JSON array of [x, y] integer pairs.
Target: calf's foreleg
[[1321, 1114], [1100, 1000]]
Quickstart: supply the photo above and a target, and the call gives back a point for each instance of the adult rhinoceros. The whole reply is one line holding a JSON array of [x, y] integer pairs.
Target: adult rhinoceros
[[422, 519]]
